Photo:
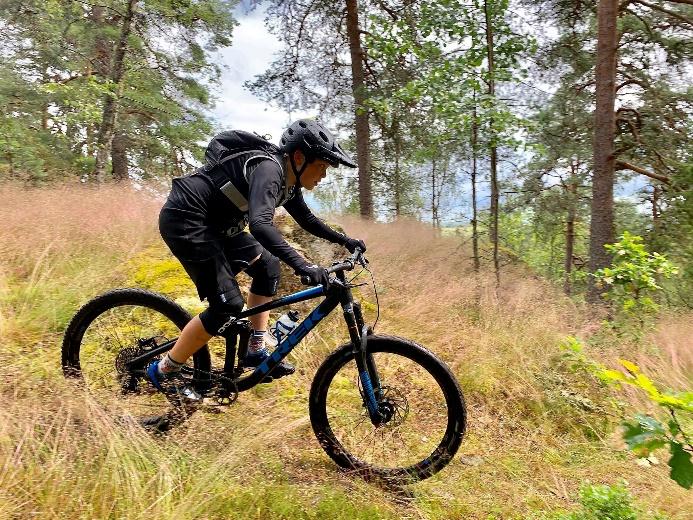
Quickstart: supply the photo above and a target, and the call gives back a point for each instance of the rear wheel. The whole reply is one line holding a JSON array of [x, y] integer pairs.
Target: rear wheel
[[421, 401], [115, 328]]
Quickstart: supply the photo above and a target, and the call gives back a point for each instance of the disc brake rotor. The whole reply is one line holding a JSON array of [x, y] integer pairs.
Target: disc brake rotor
[[394, 406]]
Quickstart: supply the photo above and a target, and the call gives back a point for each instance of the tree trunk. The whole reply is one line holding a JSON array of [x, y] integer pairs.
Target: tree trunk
[[570, 235], [44, 116], [91, 152], [119, 157], [434, 204], [360, 112], [10, 164], [102, 49], [602, 221], [656, 214], [110, 108], [475, 230], [398, 189], [493, 149]]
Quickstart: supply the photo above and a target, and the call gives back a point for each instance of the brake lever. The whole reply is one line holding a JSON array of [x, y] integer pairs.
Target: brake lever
[[336, 281], [360, 259]]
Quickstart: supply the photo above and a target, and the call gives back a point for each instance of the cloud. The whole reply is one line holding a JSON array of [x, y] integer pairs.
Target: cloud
[[251, 54]]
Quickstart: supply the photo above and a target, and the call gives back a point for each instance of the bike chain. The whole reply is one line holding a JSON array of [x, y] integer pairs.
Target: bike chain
[[221, 398]]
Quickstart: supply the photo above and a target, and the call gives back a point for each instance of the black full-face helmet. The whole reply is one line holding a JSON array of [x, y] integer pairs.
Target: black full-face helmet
[[316, 142]]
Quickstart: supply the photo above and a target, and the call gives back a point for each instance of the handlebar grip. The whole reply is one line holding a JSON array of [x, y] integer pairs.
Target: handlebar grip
[[344, 266]]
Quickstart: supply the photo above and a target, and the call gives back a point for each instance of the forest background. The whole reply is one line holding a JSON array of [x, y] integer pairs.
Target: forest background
[[536, 133], [479, 115]]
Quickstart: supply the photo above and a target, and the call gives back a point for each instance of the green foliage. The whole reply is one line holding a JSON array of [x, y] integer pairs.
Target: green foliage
[[653, 119], [669, 427], [675, 235], [632, 278], [537, 237], [56, 73], [603, 502]]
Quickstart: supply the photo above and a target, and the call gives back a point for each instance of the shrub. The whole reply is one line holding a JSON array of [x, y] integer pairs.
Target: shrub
[[632, 279], [645, 433], [602, 502]]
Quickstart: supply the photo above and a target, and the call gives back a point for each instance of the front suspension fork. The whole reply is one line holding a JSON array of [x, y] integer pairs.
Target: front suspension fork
[[368, 373]]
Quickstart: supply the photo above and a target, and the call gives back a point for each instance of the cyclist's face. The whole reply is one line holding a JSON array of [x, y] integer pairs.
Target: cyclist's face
[[314, 172]]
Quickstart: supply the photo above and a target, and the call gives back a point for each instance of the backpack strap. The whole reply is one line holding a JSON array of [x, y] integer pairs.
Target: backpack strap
[[229, 189]]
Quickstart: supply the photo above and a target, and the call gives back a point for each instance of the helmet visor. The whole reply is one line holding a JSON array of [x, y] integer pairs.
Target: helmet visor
[[335, 156]]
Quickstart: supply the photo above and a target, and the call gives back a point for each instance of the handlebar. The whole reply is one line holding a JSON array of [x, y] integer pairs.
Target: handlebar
[[346, 265]]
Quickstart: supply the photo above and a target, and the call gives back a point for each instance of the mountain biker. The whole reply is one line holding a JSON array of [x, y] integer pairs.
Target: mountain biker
[[203, 223]]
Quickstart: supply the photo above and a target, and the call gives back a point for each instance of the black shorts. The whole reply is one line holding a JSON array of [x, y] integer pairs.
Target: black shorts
[[216, 274]]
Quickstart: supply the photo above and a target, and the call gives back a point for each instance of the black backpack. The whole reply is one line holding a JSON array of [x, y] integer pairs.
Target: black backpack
[[234, 143], [240, 149]]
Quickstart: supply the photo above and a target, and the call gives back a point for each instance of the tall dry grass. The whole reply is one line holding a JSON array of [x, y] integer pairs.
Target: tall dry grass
[[433, 292], [527, 449], [42, 226], [503, 344], [60, 243]]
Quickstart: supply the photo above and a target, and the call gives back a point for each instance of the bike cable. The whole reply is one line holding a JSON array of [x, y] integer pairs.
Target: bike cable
[[377, 302], [375, 290]]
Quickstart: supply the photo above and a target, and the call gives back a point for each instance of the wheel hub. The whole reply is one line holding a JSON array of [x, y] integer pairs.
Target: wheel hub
[[393, 407]]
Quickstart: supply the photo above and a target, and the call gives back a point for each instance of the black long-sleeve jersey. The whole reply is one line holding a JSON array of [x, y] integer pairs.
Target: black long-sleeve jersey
[[199, 215]]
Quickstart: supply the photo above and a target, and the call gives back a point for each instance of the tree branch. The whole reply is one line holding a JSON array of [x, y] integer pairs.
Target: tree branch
[[622, 165], [393, 14], [656, 7], [631, 82]]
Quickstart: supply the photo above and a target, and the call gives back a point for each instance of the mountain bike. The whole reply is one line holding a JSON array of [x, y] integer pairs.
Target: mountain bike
[[380, 405]]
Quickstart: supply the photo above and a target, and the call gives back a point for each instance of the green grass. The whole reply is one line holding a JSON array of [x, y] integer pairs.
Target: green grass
[[532, 441]]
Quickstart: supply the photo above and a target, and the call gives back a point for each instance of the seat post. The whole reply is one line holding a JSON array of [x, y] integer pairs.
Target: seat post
[[244, 333]]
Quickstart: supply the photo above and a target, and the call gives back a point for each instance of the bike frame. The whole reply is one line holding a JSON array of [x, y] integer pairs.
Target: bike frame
[[338, 293]]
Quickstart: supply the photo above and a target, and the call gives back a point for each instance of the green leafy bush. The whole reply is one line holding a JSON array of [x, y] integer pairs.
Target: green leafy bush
[[643, 433], [602, 502], [632, 279]]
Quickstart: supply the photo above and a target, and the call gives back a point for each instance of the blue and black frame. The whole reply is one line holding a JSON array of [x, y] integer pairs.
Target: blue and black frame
[[339, 293]]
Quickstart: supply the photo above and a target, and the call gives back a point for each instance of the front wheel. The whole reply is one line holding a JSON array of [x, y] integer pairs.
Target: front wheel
[[426, 414]]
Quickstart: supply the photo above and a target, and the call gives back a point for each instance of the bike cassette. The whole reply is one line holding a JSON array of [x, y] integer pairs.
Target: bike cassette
[[128, 381]]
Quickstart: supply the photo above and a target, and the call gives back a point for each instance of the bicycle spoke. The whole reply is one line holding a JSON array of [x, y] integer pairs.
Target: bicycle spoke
[[418, 413], [111, 334]]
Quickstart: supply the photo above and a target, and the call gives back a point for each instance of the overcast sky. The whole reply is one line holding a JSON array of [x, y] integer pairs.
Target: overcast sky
[[250, 54]]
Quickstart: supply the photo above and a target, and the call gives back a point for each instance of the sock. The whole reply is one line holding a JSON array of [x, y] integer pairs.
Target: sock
[[168, 365], [257, 341]]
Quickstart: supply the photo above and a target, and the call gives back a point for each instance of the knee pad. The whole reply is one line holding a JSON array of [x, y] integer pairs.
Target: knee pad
[[222, 309], [265, 272]]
